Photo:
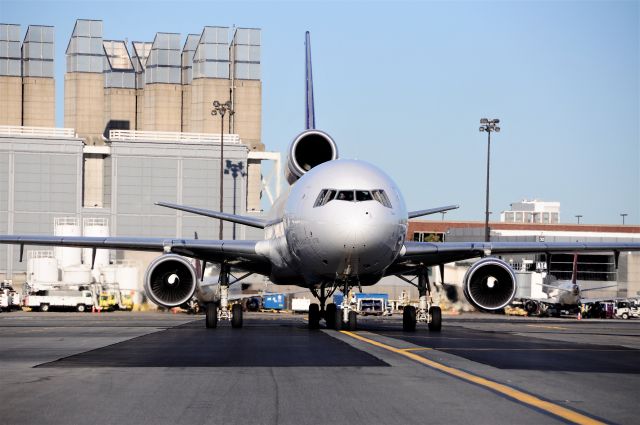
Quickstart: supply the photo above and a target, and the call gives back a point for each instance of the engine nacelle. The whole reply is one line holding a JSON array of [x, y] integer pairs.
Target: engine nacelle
[[309, 149], [490, 284], [170, 280]]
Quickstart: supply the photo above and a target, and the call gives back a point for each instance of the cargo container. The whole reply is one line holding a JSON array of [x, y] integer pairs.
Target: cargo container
[[274, 301]]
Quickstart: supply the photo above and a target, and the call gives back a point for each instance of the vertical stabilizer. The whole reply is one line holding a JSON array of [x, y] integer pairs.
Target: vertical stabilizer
[[310, 117]]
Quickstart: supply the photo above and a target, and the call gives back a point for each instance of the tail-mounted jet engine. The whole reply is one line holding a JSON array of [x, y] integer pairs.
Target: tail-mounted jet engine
[[490, 284], [309, 149], [170, 280]]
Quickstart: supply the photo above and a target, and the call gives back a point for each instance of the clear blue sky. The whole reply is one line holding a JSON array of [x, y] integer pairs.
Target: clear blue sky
[[404, 84]]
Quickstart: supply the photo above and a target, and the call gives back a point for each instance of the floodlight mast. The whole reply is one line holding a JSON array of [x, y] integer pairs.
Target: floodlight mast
[[221, 109], [489, 126]]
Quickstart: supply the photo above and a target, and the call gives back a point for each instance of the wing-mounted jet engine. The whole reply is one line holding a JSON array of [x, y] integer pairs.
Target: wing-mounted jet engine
[[308, 150], [490, 284], [170, 280]]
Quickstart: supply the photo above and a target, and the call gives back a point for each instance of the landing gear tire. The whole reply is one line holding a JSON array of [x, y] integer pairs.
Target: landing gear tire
[[331, 316], [352, 322], [409, 319], [314, 316], [435, 325], [236, 316], [211, 316]]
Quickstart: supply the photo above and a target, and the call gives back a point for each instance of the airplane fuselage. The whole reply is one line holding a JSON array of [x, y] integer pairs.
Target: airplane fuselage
[[344, 220]]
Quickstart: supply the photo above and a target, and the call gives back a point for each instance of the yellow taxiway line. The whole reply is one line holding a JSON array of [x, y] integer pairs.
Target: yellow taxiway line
[[522, 397], [548, 327]]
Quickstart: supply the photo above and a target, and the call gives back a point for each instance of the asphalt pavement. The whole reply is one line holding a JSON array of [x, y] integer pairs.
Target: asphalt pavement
[[161, 368]]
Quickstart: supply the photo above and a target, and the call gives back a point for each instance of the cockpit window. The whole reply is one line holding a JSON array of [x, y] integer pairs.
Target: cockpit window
[[363, 195], [345, 195], [381, 197], [327, 195]]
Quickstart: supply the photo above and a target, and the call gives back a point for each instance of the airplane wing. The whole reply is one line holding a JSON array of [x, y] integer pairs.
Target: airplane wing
[[420, 213], [433, 253], [240, 219], [239, 254]]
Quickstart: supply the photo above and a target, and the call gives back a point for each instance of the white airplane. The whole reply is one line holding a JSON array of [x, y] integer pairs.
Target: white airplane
[[563, 294], [342, 224]]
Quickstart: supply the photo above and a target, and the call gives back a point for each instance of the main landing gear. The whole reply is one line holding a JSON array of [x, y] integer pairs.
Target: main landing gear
[[215, 312], [426, 311]]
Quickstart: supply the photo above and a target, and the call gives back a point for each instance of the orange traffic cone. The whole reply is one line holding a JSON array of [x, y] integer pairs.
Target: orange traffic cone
[[579, 316]]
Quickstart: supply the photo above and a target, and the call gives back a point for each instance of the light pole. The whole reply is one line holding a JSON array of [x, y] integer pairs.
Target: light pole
[[578, 217], [489, 126], [221, 109], [623, 215], [235, 169]]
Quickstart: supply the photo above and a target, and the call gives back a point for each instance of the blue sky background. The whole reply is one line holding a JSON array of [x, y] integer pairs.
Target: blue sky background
[[404, 84]]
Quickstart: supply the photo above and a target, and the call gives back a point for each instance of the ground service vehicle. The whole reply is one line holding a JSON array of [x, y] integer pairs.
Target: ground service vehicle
[[626, 310], [59, 300]]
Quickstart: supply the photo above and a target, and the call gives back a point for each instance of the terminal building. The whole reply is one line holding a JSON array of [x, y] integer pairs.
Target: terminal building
[[594, 270], [138, 129]]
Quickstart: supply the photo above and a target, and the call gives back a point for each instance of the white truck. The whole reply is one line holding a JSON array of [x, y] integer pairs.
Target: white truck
[[59, 299], [627, 310]]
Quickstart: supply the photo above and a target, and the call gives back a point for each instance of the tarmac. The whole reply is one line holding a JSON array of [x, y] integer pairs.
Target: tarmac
[[161, 368]]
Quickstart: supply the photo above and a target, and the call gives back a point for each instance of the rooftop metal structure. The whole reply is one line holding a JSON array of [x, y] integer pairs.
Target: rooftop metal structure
[[164, 61], [141, 50], [211, 58], [245, 48], [10, 55], [38, 52], [188, 51], [118, 68], [84, 51]]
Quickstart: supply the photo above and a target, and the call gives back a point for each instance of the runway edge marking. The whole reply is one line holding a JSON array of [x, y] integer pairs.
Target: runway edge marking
[[521, 396]]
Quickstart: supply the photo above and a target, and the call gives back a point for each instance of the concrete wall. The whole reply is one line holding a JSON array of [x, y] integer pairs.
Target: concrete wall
[[247, 120], [10, 100], [162, 107], [39, 102], [204, 91], [84, 105], [120, 105], [186, 109]]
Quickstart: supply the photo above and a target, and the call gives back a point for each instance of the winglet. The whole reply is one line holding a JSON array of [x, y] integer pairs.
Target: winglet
[[414, 214], [310, 117]]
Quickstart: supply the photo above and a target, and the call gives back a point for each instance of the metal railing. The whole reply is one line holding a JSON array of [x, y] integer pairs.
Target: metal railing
[[18, 130], [170, 137]]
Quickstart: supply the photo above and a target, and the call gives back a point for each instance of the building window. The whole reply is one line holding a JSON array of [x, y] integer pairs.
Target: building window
[[428, 237]]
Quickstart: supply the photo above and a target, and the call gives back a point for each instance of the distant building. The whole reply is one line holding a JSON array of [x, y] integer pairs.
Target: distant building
[[595, 269], [533, 211]]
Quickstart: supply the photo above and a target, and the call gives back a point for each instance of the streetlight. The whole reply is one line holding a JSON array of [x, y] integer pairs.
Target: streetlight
[[489, 126], [235, 169], [623, 215], [221, 109], [578, 217]]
